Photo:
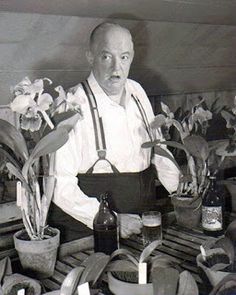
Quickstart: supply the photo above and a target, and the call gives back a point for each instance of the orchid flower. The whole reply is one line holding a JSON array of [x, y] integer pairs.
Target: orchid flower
[[66, 101], [29, 161], [31, 103]]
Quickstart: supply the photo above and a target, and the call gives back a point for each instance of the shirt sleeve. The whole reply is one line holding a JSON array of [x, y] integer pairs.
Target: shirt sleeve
[[68, 195], [167, 171]]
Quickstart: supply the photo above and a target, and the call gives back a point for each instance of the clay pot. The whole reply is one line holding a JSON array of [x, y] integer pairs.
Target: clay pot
[[38, 258], [118, 287], [214, 276], [187, 210]]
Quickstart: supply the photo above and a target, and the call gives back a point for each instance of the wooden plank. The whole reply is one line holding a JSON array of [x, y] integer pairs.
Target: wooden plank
[[180, 248], [69, 260], [58, 277], [81, 256], [6, 241], [9, 212], [184, 236], [50, 285], [62, 267], [11, 226], [76, 246], [181, 241], [10, 252], [166, 250]]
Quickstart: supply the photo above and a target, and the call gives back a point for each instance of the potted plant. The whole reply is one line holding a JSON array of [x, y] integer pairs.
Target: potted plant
[[121, 271], [191, 128], [217, 257], [31, 162], [228, 149]]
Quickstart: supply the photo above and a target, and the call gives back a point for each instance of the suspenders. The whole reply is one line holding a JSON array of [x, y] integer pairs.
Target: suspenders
[[98, 125], [144, 117], [98, 128]]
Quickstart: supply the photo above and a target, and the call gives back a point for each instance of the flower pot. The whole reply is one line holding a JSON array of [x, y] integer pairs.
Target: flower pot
[[118, 287], [38, 258], [187, 210], [16, 281], [214, 276]]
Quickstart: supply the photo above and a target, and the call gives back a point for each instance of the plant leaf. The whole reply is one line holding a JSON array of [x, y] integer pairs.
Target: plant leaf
[[162, 152], [226, 244], [13, 138], [49, 185], [165, 281], [148, 250], [48, 144], [229, 118], [67, 119], [126, 253], [163, 261], [8, 153], [17, 173], [187, 284], [70, 121], [223, 285], [165, 108], [71, 281], [197, 146], [94, 266], [231, 231]]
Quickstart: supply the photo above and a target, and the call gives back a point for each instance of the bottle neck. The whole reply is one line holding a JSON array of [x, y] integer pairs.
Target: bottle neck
[[212, 182]]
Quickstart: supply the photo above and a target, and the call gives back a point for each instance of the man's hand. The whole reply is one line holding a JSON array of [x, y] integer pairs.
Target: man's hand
[[129, 224]]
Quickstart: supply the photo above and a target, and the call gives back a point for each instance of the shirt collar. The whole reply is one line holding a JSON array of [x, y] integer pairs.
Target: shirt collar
[[101, 96]]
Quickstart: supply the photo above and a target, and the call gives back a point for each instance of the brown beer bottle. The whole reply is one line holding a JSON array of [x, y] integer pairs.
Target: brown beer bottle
[[212, 210], [105, 228]]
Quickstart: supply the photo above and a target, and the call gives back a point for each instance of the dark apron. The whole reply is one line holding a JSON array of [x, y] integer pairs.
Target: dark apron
[[128, 192], [131, 192]]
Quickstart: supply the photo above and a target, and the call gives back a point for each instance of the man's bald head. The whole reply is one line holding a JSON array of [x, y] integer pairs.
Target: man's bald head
[[102, 29], [110, 56]]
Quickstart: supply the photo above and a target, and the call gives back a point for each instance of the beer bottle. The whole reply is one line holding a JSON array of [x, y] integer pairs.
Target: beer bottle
[[105, 228], [212, 210]]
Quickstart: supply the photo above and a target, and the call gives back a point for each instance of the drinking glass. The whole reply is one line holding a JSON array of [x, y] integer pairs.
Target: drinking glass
[[152, 227]]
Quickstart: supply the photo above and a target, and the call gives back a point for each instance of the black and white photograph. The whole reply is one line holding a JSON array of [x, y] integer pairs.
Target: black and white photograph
[[117, 147]]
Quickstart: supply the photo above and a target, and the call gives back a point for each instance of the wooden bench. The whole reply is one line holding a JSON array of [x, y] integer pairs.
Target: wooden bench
[[180, 244]]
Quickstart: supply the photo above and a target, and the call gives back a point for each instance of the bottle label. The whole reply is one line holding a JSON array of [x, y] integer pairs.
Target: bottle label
[[212, 218]]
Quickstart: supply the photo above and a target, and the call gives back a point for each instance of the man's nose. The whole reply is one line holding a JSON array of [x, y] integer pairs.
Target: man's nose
[[116, 64]]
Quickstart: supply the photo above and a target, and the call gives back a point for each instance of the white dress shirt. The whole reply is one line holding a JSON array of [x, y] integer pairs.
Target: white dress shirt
[[124, 133]]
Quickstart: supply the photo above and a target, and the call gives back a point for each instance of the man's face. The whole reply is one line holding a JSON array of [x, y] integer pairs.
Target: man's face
[[111, 57]]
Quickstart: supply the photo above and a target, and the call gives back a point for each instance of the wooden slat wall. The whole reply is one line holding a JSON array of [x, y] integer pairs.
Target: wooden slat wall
[[171, 57]]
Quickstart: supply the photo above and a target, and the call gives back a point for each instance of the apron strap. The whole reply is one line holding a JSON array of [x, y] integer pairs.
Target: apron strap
[[144, 117], [98, 128]]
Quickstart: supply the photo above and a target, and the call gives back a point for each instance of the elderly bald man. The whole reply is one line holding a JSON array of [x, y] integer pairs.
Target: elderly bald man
[[104, 152]]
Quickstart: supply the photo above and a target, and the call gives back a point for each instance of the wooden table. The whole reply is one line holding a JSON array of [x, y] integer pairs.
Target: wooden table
[[180, 244]]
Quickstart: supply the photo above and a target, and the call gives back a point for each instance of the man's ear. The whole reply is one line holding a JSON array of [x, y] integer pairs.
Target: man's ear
[[90, 57]]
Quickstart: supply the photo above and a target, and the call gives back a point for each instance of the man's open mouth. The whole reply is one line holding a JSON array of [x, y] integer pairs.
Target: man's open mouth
[[115, 78]]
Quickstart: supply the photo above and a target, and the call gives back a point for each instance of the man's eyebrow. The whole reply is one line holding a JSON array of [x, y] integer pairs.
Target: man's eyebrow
[[106, 51], [126, 52]]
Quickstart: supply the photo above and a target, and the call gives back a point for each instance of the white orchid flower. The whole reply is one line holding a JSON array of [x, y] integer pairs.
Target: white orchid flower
[[22, 103], [30, 101], [66, 101]]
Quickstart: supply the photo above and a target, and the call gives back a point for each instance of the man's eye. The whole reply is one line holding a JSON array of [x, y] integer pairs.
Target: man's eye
[[106, 57], [125, 57]]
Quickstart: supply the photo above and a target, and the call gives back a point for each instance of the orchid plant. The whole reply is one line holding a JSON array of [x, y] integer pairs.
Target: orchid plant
[[200, 154], [52, 120], [228, 147]]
